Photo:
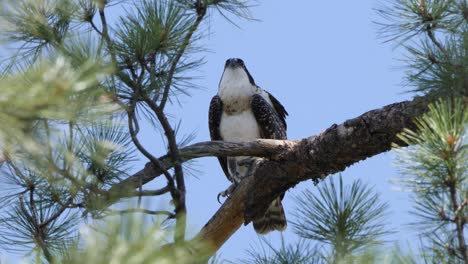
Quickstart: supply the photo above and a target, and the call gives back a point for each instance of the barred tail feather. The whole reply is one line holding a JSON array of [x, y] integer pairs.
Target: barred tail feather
[[274, 219]]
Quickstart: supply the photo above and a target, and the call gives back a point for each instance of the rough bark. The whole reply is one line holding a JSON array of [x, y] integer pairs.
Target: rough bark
[[288, 162], [312, 158], [259, 148]]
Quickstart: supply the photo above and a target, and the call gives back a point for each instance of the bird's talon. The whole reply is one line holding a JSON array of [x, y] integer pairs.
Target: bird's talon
[[222, 194], [227, 192]]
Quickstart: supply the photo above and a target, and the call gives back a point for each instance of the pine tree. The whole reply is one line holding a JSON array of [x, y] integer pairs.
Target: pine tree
[[339, 224], [89, 81], [92, 80], [436, 172]]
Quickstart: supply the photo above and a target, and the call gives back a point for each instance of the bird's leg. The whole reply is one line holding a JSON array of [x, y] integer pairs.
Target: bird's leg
[[228, 191], [246, 162], [251, 164], [235, 177], [246, 167]]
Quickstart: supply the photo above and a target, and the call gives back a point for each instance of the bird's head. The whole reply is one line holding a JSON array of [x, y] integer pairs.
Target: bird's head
[[235, 71], [234, 63]]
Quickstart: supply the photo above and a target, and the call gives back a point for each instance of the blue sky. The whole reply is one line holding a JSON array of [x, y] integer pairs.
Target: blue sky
[[324, 62]]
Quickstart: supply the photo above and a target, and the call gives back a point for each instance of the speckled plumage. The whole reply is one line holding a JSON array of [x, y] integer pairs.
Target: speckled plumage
[[242, 111]]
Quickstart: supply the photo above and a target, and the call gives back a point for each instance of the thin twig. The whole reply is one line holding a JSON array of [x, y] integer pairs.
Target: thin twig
[[105, 30], [74, 180], [153, 160], [431, 35], [138, 210], [459, 219], [181, 209], [32, 205], [107, 38], [443, 216], [136, 141], [134, 130], [152, 192], [461, 207], [57, 214], [179, 196], [201, 11], [38, 232], [95, 28], [24, 210]]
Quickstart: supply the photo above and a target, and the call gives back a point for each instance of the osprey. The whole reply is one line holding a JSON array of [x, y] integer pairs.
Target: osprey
[[242, 111]]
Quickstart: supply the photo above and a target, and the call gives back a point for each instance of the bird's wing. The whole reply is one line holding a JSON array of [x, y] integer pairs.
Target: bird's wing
[[214, 121], [270, 119], [279, 108]]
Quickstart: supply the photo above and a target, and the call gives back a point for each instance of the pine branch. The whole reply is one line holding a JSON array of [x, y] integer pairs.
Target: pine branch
[[177, 189], [458, 219], [56, 215], [105, 31], [139, 210], [180, 209], [431, 35], [39, 234], [134, 130], [93, 25], [201, 11], [278, 148], [313, 158], [292, 162], [260, 148], [161, 191]]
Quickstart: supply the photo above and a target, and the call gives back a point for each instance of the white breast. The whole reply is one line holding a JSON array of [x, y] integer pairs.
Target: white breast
[[239, 127]]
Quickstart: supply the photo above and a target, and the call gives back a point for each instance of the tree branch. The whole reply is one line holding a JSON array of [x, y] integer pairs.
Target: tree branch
[[259, 148], [312, 158], [179, 195], [161, 191], [139, 210], [180, 205], [201, 11], [290, 162]]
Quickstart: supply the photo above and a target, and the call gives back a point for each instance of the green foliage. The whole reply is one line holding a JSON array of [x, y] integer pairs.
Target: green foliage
[[52, 90], [128, 240], [85, 81], [105, 150], [408, 18], [439, 72], [348, 218], [300, 252], [344, 223], [435, 35], [439, 148], [156, 28], [153, 34], [435, 170], [85, 47], [32, 223], [235, 8], [37, 23], [54, 141]]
